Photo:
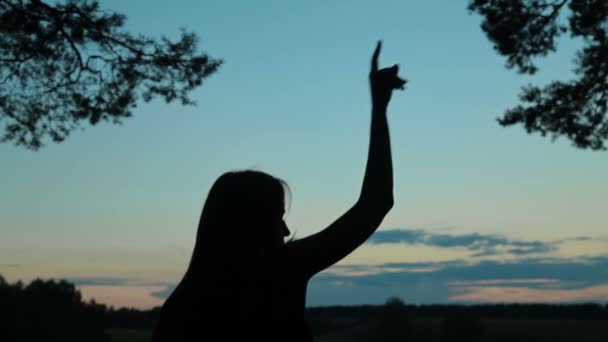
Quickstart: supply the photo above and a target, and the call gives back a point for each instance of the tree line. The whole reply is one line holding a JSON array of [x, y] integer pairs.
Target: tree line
[[54, 310]]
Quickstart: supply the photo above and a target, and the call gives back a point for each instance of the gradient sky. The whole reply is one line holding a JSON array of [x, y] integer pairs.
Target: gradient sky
[[482, 213]]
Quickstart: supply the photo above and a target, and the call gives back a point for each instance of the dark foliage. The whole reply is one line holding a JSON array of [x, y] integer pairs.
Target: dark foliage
[[132, 319], [393, 324], [48, 311], [69, 62], [523, 30]]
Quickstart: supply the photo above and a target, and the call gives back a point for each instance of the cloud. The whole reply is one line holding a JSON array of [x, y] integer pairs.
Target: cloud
[[577, 238], [87, 281], [492, 294], [164, 293], [456, 281], [547, 280], [410, 236], [581, 238], [122, 296], [545, 248], [502, 282], [481, 244], [110, 281], [410, 267], [123, 292]]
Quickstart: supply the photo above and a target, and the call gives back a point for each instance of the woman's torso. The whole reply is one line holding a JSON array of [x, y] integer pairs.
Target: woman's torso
[[253, 302]]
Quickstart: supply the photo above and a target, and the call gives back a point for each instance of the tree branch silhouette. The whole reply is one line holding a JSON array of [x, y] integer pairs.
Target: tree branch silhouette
[[69, 63], [523, 30]]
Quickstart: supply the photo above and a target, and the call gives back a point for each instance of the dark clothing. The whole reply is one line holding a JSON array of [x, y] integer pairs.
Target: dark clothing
[[264, 303], [254, 297]]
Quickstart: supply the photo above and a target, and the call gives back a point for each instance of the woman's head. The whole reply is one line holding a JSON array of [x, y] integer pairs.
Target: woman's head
[[244, 209]]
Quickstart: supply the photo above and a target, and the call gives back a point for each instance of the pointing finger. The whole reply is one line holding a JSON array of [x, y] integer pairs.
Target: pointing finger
[[375, 56]]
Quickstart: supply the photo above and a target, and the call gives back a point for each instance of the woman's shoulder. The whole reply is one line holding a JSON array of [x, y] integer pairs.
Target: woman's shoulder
[[292, 262]]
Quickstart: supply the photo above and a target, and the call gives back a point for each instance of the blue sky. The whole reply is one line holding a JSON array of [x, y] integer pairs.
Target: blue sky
[[122, 202]]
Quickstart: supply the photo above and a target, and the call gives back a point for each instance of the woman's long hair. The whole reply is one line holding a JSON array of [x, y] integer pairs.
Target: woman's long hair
[[228, 278], [235, 221]]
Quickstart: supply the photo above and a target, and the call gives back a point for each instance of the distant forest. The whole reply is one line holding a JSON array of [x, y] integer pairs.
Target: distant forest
[[54, 310]]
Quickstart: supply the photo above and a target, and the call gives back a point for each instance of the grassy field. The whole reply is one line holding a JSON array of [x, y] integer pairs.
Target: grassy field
[[545, 330], [429, 330], [124, 335]]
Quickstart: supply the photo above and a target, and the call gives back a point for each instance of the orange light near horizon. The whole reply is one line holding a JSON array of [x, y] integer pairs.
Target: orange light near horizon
[[509, 294], [138, 297]]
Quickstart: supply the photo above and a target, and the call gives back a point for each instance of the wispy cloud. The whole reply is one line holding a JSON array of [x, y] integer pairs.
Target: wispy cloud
[[548, 280], [102, 281], [110, 281], [122, 296], [120, 292], [395, 267], [502, 282], [164, 293], [457, 281], [530, 273], [481, 244], [492, 294]]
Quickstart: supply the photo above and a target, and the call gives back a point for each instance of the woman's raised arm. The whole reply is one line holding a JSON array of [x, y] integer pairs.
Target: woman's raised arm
[[321, 250]]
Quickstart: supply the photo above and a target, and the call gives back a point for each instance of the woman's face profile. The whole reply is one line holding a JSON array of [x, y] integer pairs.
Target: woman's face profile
[[279, 229]]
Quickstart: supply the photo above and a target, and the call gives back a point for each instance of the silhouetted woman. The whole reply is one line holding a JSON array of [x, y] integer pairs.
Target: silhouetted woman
[[244, 282]]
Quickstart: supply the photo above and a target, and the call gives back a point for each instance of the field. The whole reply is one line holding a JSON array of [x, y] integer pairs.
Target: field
[[128, 335], [430, 329]]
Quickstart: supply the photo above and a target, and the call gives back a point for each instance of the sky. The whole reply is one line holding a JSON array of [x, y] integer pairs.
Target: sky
[[482, 213]]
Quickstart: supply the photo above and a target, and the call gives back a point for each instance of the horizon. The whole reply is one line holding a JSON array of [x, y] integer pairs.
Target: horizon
[[483, 213]]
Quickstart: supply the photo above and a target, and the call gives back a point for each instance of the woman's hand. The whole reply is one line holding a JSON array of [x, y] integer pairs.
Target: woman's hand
[[383, 81]]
